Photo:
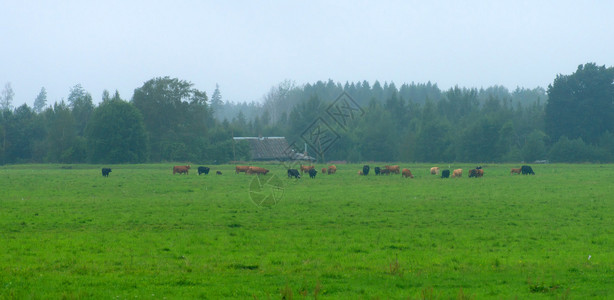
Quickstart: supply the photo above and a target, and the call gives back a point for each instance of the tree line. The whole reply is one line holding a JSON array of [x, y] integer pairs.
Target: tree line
[[168, 120]]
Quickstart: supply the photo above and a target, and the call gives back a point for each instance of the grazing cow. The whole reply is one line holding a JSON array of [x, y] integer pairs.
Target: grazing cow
[[393, 169], [476, 173], [457, 173], [218, 172], [105, 172], [240, 169], [360, 173], [434, 170], [365, 169], [384, 172], [515, 171], [323, 170], [204, 170], [305, 169], [445, 174], [407, 173], [312, 173], [181, 169], [377, 170], [332, 169], [526, 170], [293, 173], [257, 171]]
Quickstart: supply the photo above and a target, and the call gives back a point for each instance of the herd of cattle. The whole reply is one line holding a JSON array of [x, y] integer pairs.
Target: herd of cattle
[[332, 169]]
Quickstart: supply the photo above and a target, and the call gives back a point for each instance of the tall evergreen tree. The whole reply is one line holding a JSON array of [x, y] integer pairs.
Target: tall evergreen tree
[[40, 101], [216, 102]]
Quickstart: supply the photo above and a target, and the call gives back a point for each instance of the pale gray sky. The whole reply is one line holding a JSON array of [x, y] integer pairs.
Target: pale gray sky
[[249, 46]]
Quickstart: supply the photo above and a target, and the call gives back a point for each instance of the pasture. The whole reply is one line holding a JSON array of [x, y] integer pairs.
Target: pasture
[[143, 232]]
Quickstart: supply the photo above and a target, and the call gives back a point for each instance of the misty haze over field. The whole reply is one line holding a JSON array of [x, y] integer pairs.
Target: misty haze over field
[[248, 47]]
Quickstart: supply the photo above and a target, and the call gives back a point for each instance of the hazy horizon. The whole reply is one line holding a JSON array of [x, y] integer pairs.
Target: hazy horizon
[[247, 48]]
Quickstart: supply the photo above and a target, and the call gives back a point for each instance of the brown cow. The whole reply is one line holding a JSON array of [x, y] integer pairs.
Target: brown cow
[[332, 169], [181, 169], [476, 173], [384, 172], [407, 173], [240, 169], [305, 169], [323, 170], [393, 169], [434, 170], [515, 171], [457, 173], [360, 173], [257, 171]]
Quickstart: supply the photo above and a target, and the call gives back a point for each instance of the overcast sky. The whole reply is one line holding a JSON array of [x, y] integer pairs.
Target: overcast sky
[[249, 46]]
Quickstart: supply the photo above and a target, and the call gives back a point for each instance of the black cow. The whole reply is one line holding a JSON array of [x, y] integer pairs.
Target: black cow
[[312, 173], [218, 172], [478, 167], [445, 174], [293, 173], [365, 170], [473, 173], [105, 172], [526, 170], [203, 170], [377, 170]]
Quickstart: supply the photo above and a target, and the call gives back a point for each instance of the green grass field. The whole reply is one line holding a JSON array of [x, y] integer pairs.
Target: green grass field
[[145, 233]]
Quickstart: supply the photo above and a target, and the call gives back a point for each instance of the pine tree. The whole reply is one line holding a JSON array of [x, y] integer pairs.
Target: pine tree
[[216, 102], [40, 101]]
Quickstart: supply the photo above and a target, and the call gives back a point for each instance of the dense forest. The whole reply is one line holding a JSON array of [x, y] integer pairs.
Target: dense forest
[[167, 119]]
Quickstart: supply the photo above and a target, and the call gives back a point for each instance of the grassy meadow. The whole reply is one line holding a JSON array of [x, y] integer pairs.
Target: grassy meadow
[[146, 233]]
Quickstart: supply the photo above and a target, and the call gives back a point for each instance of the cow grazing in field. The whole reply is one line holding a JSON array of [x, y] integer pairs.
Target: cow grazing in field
[[407, 173], [515, 171], [323, 170], [476, 173], [457, 173], [434, 170], [257, 171], [106, 171], [312, 173], [393, 169], [445, 174], [218, 172], [305, 169], [360, 173], [377, 170], [332, 169], [239, 169], [181, 169], [384, 172], [365, 170], [526, 170], [203, 170], [293, 173]]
